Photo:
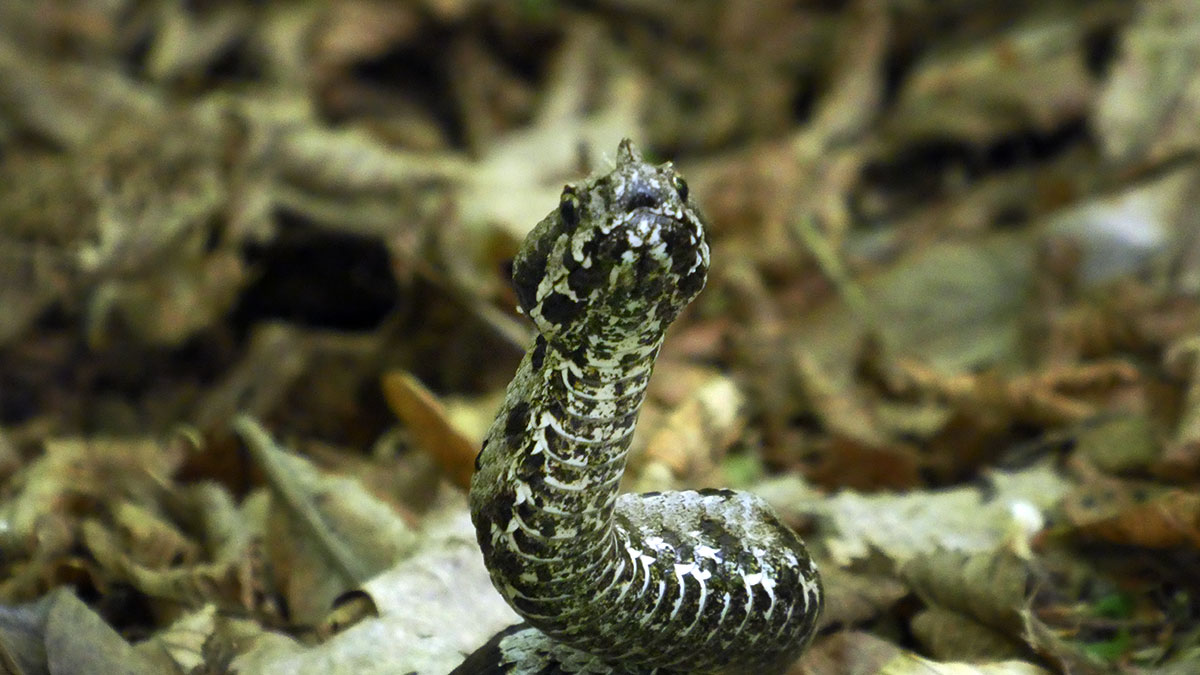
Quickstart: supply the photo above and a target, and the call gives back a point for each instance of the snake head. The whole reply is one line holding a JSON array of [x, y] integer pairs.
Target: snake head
[[617, 261]]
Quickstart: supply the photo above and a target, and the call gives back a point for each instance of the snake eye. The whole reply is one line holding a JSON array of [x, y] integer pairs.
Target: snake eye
[[681, 187], [568, 208]]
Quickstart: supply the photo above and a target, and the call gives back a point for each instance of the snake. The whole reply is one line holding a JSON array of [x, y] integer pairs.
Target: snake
[[707, 581]]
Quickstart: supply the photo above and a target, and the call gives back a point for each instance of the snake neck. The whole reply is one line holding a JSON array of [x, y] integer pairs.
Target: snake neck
[[548, 476]]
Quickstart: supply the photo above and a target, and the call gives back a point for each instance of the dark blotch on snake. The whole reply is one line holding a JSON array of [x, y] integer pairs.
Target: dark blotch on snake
[[539, 353], [559, 309], [518, 420], [528, 272], [583, 280]]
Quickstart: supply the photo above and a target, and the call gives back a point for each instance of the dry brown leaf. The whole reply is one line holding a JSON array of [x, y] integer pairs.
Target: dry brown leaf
[[860, 652], [431, 429], [1181, 457], [1054, 397], [1120, 444], [901, 527], [847, 462], [840, 409], [232, 577], [1132, 515], [1052, 646], [151, 539], [74, 476], [911, 664]]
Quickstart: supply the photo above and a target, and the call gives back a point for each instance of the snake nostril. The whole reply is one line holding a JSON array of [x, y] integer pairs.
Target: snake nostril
[[642, 199]]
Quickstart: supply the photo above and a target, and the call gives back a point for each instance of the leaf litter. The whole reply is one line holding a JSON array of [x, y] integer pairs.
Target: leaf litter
[[254, 317]]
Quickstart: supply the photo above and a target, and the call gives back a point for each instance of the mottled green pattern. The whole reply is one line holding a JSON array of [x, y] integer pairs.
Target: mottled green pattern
[[698, 582]]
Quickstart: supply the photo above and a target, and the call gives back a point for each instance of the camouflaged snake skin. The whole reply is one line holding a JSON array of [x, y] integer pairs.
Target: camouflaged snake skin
[[687, 582]]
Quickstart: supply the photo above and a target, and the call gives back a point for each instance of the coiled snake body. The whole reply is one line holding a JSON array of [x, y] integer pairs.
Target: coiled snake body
[[695, 582]]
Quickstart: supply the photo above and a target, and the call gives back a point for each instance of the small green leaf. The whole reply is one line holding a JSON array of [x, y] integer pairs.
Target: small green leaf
[[1114, 606], [1111, 650]]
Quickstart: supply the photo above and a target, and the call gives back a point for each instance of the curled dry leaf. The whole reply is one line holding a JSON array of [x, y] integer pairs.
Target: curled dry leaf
[[232, 576], [204, 638], [1053, 646], [73, 476], [151, 539]]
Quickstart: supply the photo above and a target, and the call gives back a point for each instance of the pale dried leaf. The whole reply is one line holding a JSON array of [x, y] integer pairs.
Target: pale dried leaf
[[435, 607], [1151, 103], [325, 532], [991, 587], [1132, 230], [1120, 444], [520, 178], [903, 526], [59, 634], [911, 664], [949, 635], [993, 87]]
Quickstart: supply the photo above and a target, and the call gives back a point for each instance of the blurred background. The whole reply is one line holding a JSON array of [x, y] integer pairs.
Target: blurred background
[[950, 329]]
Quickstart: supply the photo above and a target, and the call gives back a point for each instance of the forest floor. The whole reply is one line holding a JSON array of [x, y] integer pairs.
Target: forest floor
[[255, 316]]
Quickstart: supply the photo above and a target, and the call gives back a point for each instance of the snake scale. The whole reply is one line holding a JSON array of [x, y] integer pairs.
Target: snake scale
[[705, 581]]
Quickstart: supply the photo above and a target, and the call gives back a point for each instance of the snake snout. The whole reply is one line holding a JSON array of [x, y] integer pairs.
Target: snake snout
[[643, 196]]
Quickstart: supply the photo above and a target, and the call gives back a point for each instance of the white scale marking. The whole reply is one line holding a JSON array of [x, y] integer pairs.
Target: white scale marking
[[543, 446], [662, 591], [523, 493], [553, 482], [681, 570]]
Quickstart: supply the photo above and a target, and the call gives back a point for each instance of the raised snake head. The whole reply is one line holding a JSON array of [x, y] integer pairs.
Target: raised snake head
[[616, 262]]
